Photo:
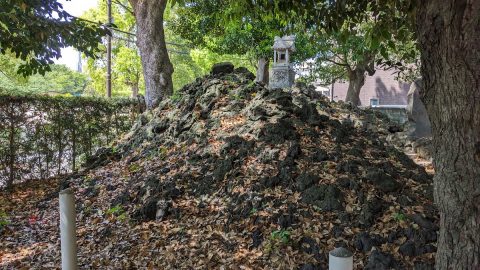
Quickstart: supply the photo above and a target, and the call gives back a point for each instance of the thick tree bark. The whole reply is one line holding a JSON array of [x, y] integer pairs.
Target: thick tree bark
[[449, 37], [157, 68], [262, 70], [356, 80]]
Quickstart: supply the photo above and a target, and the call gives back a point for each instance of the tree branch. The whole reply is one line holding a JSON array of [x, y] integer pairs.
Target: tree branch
[[336, 63], [124, 7]]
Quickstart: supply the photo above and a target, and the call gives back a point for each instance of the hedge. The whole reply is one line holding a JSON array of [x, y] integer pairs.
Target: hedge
[[45, 136]]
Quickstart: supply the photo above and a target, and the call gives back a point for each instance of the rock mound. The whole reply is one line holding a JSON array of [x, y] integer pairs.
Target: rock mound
[[232, 173]]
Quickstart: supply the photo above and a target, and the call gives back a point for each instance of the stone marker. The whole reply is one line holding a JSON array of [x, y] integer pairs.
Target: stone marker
[[282, 74], [417, 112]]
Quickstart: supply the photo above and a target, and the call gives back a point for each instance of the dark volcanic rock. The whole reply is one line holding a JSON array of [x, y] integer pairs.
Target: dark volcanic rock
[[262, 161], [309, 266], [382, 181], [222, 68], [257, 238], [326, 197], [423, 222], [310, 246], [407, 249], [320, 155], [365, 242], [348, 166], [306, 180], [147, 212], [277, 133], [380, 261]]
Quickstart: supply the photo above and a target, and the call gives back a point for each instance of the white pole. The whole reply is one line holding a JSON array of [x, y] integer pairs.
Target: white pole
[[68, 235], [340, 259]]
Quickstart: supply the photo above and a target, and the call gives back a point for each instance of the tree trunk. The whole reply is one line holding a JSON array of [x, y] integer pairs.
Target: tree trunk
[[449, 37], [157, 68], [134, 87], [262, 70], [356, 80]]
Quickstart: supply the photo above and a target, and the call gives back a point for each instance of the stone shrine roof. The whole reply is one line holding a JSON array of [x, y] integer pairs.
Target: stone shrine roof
[[284, 43]]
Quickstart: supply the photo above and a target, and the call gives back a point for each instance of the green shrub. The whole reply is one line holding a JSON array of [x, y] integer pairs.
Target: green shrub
[[46, 136]]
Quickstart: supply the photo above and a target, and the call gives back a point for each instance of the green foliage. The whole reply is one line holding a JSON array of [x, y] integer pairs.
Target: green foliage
[[35, 31], [3, 220], [340, 52], [42, 136], [282, 236], [116, 210], [399, 216], [60, 80], [177, 96], [208, 25], [205, 59], [278, 239], [134, 168], [127, 72], [127, 77]]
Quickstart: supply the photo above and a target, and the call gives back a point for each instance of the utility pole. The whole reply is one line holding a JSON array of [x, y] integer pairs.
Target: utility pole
[[109, 50], [331, 90]]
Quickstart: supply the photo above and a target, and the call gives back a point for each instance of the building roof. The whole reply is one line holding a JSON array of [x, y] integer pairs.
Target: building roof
[[284, 43]]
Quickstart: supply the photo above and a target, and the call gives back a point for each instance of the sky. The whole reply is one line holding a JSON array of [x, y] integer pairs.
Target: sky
[[76, 8]]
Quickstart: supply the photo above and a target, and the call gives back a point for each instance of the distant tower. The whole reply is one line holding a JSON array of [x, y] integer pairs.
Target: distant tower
[[79, 63], [282, 74]]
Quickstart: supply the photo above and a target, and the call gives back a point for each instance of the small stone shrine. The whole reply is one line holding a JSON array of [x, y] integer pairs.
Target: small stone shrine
[[282, 74]]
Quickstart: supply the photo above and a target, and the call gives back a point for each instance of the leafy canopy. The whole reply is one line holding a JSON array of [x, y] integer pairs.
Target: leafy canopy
[[36, 30]]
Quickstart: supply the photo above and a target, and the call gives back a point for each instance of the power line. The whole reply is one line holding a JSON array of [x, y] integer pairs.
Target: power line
[[169, 50], [133, 34]]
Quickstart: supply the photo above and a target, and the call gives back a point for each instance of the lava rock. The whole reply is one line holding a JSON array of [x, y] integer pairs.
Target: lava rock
[[306, 180], [344, 182], [380, 261], [277, 133], [320, 155], [365, 242], [257, 238], [310, 246], [326, 197], [243, 70], [270, 182], [312, 194], [222, 68], [147, 212], [294, 150], [348, 166], [309, 266], [382, 181], [222, 167], [370, 210], [407, 249], [423, 222], [356, 152]]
